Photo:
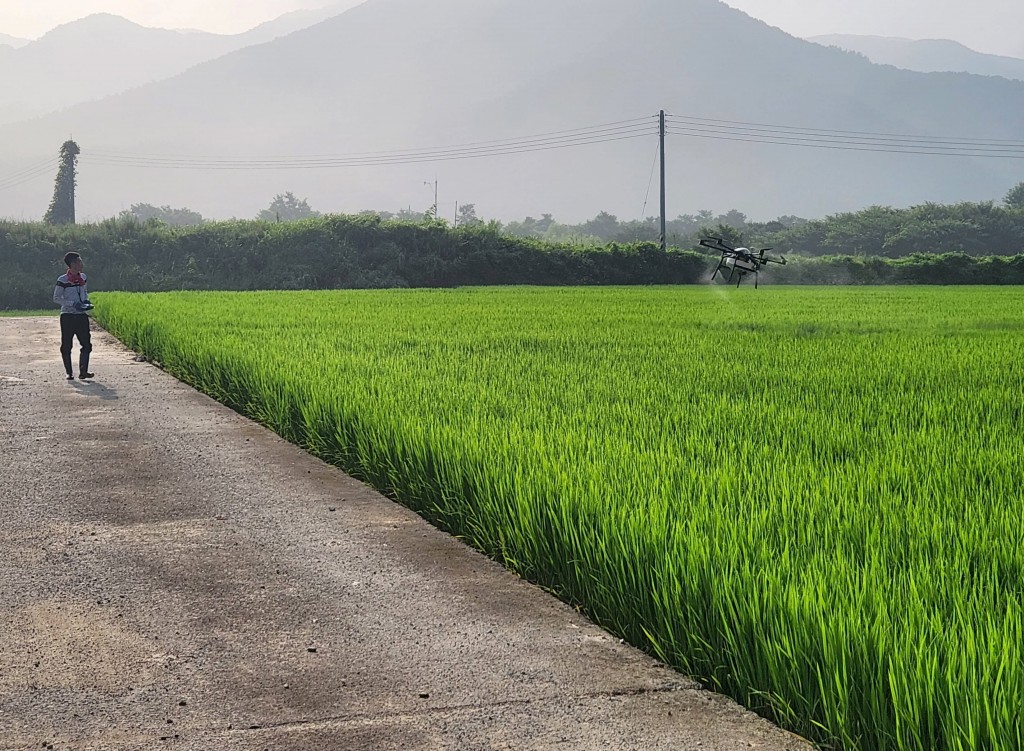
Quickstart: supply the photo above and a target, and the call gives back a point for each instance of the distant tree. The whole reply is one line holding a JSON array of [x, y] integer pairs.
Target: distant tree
[[145, 212], [384, 216], [467, 215], [734, 218], [604, 226], [1015, 198], [730, 235], [638, 230], [792, 221], [941, 235], [531, 227], [408, 215], [62, 207], [286, 208]]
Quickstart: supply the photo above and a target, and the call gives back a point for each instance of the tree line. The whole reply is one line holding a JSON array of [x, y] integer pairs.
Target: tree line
[[339, 252], [974, 228]]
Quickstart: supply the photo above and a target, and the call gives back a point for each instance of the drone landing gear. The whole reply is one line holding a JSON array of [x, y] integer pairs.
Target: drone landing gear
[[742, 260], [732, 271]]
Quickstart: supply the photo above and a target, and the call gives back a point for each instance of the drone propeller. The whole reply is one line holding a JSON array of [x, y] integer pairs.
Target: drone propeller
[[716, 243]]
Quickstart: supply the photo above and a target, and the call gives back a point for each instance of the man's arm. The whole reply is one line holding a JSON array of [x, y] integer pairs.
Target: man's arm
[[58, 295]]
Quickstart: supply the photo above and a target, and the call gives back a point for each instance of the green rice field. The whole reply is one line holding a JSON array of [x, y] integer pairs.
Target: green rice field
[[811, 499]]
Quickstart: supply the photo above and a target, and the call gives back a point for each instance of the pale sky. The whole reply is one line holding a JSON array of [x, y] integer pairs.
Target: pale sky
[[30, 19], [993, 26]]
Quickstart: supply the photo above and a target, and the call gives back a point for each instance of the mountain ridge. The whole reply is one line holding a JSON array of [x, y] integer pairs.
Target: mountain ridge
[[6, 40], [103, 54], [926, 55], [466, 71]]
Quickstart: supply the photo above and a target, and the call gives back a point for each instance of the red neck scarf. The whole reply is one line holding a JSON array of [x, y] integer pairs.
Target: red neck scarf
[[75, 278]]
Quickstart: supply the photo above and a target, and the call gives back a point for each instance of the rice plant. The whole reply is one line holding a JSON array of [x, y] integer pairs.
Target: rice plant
[[807, 498]]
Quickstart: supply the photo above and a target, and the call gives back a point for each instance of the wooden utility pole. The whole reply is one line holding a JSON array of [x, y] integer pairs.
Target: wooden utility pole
[[661, 132]]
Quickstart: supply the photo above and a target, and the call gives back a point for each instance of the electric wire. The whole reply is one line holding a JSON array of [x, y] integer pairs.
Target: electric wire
[[107, 161], [29, 174], [725, 135], [619, 130], [650, 183], [991, 148], [553, 135], [682, 125], [850, 134], [568, 136]]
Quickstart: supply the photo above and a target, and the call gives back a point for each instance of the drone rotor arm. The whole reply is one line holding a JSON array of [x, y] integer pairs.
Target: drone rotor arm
[[716, 243]]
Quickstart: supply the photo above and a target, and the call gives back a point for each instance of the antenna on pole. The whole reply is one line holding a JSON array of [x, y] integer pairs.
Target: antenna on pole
[[661, 134]]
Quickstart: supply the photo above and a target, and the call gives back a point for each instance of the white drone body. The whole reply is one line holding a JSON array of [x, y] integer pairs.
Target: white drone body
[[743, 260], [739, 261]]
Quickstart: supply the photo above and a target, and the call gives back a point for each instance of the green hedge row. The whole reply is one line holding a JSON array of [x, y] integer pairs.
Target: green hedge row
[[334, 252], [338, 252]]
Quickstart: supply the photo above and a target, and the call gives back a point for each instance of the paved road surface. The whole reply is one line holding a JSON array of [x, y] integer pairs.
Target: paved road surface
[[173, 576]]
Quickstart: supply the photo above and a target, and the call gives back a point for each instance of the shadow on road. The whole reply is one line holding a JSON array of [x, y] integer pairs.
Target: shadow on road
[[91, 388]]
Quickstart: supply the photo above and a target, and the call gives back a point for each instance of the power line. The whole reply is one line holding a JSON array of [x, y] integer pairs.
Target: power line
[[602, 128], [840, 145], [361, 161], [841, 140], [29, 174], [620, 130], [578, 135], [850, 134], [682, 125], [654, 166]]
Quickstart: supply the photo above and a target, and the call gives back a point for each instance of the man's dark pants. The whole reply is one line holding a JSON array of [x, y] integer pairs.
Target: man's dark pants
[[72, 325]]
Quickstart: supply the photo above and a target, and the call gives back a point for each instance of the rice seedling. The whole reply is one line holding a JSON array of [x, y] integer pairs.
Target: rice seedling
[[807, 498]]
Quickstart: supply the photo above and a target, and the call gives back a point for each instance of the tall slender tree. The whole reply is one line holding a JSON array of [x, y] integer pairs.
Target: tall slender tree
[[1015, 198], [62, 207]]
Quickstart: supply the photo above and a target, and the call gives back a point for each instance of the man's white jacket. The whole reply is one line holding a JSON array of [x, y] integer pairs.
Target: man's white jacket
[[70, 296]]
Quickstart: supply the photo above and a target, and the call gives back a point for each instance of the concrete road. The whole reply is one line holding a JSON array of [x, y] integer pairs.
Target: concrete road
[[174, 576]]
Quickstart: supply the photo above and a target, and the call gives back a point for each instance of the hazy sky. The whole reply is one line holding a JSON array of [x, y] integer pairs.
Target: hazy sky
[[995, 26], [30, 19]]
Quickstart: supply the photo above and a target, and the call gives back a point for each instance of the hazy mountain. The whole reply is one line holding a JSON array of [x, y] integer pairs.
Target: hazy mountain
[[402, 74], [926, 55], [104, 54], [291, 22], [8, 41], [94, 57]]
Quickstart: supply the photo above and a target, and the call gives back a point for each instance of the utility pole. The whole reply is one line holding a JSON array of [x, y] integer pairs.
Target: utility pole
[[661, 133], [436, 207]]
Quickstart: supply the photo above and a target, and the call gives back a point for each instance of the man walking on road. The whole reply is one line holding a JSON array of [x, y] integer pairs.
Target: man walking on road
[[71, 295]]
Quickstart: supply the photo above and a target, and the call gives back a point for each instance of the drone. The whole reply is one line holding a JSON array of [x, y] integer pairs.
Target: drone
[[740, 261]]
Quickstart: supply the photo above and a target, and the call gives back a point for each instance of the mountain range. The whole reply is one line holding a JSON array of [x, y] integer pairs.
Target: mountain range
[[397, 75], [14, 42], [926, 55], [104, 54]]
